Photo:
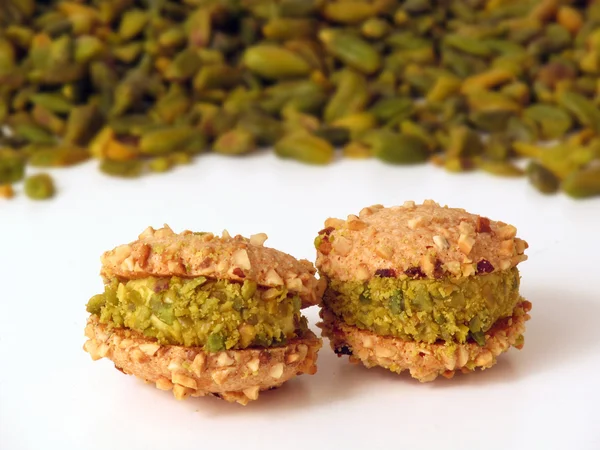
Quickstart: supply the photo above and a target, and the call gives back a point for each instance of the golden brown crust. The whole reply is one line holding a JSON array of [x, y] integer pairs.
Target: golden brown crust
[[416, 240], [163, 253], [425, 361], [234, 375]]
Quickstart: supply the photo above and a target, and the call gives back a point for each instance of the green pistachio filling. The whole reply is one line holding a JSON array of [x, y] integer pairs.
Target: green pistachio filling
[[215, 314], [425, 310]]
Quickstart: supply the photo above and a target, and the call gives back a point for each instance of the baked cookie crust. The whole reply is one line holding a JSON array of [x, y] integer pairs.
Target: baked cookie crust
[[163, 253], [423, 241], [233, 375], [424, 361]]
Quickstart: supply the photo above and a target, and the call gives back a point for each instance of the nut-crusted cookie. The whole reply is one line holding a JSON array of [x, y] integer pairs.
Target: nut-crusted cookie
[[162, 252], [423, 288], [416, 240], [424, 361], [200, 314], [235, 375]]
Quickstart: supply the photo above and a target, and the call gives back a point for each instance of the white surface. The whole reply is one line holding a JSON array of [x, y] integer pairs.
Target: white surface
[[53, 396]]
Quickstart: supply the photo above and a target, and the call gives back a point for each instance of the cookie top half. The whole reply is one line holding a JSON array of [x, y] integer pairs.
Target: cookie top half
[[416, 241], [163, 253]]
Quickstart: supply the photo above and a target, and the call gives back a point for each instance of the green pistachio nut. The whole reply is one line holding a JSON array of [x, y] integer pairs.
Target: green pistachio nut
[[306, 148], [12, 166], [350, 97], [543, 179], [582, 108], [167, 139], [122, 169], [39, 187], [350, 12], [235, 142], [396, 148], [283, 29], [553, 122], [583, 183], [351, 49], [275, 62], [132, 23], [501, 168], [56, 156]]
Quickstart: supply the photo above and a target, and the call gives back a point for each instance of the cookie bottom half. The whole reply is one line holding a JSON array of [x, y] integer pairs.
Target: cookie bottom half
[[233, 375], [425, 361]]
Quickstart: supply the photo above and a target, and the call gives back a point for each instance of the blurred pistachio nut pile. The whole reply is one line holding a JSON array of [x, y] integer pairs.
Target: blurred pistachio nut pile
[[144, 85]]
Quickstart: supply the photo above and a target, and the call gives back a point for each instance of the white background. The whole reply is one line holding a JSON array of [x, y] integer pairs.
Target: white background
[[53, 396]]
